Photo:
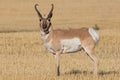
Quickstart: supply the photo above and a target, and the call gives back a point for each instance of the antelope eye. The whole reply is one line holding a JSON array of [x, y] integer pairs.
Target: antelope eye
[[48, 19], [40, 19]]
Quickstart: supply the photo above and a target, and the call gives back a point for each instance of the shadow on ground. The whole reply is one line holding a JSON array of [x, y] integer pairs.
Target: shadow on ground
[[108, 72], [90, 72]]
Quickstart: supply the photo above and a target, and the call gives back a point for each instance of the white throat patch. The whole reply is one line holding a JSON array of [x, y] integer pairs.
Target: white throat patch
[[44, 36]]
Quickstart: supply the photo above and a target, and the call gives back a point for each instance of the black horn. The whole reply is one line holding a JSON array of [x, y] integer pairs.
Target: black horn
[[50, 13], [39, 14]]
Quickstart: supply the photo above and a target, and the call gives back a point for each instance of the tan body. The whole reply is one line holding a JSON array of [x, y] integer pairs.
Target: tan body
[[56, 36], [67, 41]]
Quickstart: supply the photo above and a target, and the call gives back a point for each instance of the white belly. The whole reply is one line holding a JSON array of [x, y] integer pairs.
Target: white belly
[[70, 45], [67, 45]]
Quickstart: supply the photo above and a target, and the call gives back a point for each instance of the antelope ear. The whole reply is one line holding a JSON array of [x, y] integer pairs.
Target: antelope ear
[[51, 12]]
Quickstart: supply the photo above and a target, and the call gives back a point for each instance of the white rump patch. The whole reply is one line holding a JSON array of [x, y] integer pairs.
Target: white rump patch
[[94, 34], [70, 45]]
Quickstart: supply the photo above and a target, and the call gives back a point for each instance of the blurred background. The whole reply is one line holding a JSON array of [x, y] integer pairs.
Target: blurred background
[[19, 15]]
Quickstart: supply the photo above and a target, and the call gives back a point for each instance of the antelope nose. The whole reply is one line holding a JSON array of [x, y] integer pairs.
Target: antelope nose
[[44, 26]]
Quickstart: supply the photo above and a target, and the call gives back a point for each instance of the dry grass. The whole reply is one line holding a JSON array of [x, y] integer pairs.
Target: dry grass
[[23, 57]]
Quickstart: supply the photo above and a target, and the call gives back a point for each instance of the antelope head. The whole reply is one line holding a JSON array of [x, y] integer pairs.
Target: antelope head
[[45, 22]]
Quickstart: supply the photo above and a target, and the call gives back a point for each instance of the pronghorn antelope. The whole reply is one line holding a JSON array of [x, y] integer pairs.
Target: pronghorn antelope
[[67, 41]]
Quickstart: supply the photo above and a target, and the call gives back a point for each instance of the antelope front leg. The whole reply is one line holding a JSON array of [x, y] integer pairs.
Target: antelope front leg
[[57, 58]]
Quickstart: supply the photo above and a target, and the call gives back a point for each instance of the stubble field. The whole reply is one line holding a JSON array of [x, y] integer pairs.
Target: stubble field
[[23, 56]]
